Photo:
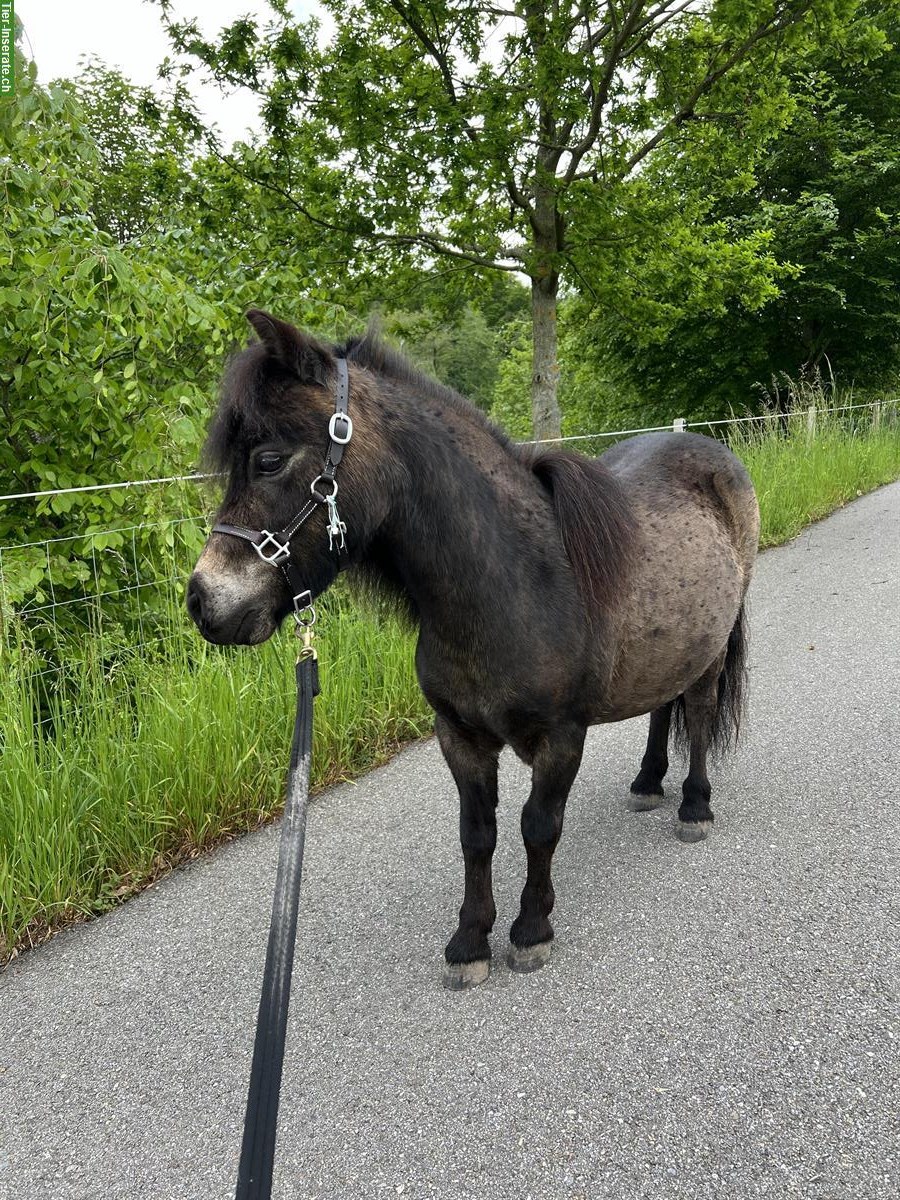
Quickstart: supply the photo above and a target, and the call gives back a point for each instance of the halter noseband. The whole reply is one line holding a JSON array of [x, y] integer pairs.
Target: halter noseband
[[275, 548]]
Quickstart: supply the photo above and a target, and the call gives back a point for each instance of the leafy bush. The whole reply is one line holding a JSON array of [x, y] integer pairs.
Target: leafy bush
[[110, 354]]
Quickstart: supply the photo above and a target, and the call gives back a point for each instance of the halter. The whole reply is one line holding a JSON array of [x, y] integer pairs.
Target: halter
[[275, 548]]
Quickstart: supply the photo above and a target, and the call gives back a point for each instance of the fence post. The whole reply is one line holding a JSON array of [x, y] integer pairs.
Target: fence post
[[811, 422], [679, 425], [876, 415]]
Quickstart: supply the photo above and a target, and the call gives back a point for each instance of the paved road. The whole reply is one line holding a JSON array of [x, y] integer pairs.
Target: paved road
[[718, 1020]]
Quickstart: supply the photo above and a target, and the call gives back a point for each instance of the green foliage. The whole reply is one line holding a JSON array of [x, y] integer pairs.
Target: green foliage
[[110, 354], [590, 400], [144, 145], [823, 201], [510, 406], [519, 138], [104, 353], [462, 353]]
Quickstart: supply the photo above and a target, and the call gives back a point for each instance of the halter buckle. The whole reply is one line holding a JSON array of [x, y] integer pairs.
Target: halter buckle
[[343, 438], [281, 550], [320, 497], [304, 613]]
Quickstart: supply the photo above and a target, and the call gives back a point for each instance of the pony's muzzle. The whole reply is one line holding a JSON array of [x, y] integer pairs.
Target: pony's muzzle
[[225, 614], [203, 610], [195, 600]]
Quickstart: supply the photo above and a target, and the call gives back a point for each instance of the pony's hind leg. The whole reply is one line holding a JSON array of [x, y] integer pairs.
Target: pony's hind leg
[[647, 788], [695, 817], [554, 768], [472, 758]]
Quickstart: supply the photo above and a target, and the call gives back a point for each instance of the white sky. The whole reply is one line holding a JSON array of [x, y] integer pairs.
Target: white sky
[[128, 34]]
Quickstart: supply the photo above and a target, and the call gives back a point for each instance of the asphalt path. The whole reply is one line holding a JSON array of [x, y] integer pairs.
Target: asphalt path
[[717, 1020]]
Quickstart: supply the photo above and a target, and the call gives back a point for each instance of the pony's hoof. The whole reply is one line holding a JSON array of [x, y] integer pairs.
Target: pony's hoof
[[693, 831], [644, 801], [459, 977], [525, 959]]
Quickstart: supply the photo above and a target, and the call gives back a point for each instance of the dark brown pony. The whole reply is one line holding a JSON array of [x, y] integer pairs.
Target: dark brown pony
[[551, 591]]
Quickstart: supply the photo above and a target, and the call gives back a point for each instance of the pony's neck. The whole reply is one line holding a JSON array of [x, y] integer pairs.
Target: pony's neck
[[468, 522]]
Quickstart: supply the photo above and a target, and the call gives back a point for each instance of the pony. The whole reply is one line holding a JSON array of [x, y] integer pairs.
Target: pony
[[551, 591]]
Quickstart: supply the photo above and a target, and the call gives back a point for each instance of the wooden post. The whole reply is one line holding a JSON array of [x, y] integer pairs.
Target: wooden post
[[810, 422], [679, 425], [876, 415]]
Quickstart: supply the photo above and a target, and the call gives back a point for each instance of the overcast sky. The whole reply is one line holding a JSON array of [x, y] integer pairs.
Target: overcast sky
[[128, 34]]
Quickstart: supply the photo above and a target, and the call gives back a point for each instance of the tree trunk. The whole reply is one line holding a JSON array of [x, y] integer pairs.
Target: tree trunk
[[547, 230], [544, 364]]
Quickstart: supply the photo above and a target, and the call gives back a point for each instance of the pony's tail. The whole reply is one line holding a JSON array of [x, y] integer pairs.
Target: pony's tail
[[731, 704]]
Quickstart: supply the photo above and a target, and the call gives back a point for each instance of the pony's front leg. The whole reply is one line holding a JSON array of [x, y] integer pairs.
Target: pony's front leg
[[554, 769], [472, 757]]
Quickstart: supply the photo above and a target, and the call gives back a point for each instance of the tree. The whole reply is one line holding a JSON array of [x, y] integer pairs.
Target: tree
[[501, 135], [144, 145], [825, 195]]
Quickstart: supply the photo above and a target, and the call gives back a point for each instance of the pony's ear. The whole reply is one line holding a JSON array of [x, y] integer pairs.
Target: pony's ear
[[309, 359]]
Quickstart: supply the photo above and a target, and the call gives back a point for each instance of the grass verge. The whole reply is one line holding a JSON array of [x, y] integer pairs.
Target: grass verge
[[147, 762], [146, 759], [800, 478]]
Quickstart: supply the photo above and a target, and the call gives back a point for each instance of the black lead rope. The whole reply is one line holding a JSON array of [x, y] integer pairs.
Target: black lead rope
[[261, 1120]]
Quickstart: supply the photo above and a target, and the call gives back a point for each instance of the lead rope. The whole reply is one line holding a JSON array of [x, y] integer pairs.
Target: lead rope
[[261, 1119]]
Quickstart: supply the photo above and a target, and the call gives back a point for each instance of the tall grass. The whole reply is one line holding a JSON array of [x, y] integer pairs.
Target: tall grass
[[145, 758], [801, 477], [143, 763]]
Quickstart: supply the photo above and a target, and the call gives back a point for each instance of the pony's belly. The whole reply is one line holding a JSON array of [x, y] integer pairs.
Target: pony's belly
[[683, 603], [661, 670]]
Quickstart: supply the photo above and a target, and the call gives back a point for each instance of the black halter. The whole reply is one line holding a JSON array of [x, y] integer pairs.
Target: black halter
[[275, 548]]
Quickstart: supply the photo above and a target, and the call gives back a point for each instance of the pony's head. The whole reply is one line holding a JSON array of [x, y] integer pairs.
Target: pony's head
[[269, 437]]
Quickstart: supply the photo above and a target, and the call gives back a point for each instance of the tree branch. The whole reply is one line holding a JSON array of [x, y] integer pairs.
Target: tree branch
[[651, 26], [412, 22], [431, 241], [440, 59], [775, 24], [600, 96]]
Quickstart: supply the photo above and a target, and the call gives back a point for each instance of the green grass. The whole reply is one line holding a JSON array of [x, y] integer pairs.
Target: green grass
[[800, 479], [145, 759], [145, 764]]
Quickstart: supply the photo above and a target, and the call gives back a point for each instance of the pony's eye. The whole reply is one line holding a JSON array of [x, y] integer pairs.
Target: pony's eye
[[270, 462]]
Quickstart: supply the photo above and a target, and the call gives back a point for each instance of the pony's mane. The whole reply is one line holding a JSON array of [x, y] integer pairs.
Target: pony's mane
[[253, 379], [595, 520], [377, 356], [251, 382]]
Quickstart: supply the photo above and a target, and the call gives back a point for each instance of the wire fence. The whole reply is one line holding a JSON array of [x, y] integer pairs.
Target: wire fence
[[94, 597], [118, 590], [810, 415]]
